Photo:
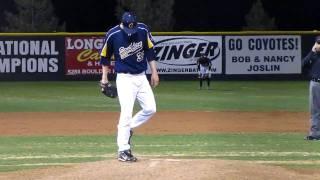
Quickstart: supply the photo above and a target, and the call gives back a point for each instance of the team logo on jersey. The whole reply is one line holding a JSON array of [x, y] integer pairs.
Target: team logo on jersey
[[133, 48]]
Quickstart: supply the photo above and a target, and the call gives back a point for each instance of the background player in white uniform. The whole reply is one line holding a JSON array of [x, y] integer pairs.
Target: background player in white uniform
[[204, 70], [131, 45]]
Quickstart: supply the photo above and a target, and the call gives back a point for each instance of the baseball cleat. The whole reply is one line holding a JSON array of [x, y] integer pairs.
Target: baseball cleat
[[126, 156], [311, 138]]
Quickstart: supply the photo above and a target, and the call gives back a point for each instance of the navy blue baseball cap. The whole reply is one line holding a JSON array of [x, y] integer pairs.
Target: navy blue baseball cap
[[129, 22]]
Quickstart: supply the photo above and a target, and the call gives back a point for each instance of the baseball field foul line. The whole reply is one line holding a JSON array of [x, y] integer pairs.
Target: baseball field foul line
[[259, 162], [171, 154], [37, 164]]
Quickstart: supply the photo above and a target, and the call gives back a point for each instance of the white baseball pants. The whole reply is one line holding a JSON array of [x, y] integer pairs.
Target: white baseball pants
[[131, 87], [204, 72]]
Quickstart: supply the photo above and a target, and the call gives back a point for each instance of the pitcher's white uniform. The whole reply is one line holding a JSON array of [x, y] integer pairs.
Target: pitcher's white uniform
[[131, 52]]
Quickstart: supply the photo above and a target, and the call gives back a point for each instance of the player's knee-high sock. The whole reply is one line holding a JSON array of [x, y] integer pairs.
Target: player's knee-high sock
[[200, 83], [208, 82]]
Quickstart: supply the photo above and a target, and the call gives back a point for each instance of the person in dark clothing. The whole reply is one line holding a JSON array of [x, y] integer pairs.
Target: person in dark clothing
[[312, 63], [204, 70]]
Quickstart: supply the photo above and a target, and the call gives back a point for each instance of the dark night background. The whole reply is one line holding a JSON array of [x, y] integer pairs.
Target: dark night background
[[200, 15]]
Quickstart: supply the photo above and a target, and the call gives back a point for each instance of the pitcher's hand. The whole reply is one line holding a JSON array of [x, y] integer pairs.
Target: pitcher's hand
[[154, 79]]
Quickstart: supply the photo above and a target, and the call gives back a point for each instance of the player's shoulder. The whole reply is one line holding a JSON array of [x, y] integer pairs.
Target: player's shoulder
[[113, 30], [142, 26]]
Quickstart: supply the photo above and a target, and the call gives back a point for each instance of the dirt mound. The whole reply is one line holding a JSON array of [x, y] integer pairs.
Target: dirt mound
[[162, 169]]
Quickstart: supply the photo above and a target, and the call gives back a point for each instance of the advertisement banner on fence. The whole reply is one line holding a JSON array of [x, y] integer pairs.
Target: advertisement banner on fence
[[179, 54], [82, 55], [276, 54], [30, 58]]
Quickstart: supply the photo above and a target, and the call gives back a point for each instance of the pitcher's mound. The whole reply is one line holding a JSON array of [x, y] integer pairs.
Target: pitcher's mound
[[163, 169]]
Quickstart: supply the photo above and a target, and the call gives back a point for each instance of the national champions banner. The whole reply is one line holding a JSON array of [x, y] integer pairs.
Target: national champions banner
[[276, 54], [31, 58]]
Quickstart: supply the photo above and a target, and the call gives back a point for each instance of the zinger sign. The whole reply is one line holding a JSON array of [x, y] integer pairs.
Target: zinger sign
[[178, 55], [82, 55]]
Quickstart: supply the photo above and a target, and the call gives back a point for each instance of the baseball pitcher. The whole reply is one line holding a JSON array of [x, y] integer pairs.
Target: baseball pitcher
[[131, 45]]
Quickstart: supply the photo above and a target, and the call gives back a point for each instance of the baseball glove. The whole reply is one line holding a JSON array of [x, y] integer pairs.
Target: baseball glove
[[109, 90]]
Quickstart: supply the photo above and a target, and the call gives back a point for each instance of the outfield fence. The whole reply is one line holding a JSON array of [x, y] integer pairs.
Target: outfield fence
[[234, 55]]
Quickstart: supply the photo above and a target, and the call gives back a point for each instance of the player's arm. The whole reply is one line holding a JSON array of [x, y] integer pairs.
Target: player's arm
[[311, 56], [154, 74], [105, 59], [105, 71], [198, 67], [151, 60]]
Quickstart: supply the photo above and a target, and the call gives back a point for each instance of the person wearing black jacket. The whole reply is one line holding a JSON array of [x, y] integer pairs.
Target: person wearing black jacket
[[312, 63]]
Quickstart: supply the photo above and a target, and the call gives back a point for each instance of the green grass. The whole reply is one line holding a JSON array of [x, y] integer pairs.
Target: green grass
[[170, 95], [31, 152], [234, 95]]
